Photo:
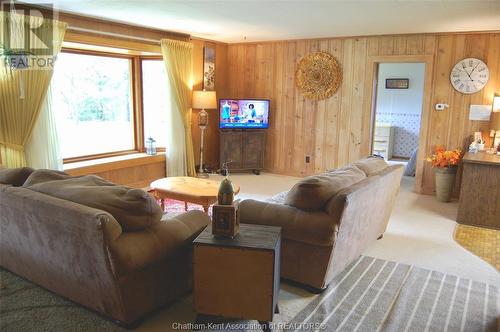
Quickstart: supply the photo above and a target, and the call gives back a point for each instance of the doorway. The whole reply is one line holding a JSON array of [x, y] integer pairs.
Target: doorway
[[403, 107], [398, 111]]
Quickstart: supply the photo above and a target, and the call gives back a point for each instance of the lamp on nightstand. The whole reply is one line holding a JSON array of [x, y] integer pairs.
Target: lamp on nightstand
[[203, 100]]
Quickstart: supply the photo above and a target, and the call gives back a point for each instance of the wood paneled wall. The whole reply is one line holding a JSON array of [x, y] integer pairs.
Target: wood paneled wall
[[133, 171], [211, 154], [336, 131]]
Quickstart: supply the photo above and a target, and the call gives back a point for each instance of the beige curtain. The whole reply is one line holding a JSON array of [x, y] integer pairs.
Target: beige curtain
[[23, 90], [178, 58], [43, 148]]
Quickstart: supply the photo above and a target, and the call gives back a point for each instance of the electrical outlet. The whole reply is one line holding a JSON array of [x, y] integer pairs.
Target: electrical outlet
[[308, 159]]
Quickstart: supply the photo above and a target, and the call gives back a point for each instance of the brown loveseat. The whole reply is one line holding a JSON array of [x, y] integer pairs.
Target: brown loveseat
[[122, 270], [328, 220]]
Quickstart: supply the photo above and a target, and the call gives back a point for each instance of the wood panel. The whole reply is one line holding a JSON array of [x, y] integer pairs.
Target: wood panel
[[136, 171], [336, 131], [480, 193], [211, 153]]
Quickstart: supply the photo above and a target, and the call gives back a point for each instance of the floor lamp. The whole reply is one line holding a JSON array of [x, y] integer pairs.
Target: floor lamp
[[203, 100]]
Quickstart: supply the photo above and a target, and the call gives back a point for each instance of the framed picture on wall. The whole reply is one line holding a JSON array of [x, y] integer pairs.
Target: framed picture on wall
[[209, 68], [397, 83]]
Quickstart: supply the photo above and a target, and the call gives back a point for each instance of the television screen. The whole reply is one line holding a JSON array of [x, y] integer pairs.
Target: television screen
[[244, 113]]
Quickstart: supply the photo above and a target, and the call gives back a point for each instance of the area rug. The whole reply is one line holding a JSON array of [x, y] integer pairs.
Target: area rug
[[483, 242], [370, 295], [174, 207], [377, 295], [25, 307]]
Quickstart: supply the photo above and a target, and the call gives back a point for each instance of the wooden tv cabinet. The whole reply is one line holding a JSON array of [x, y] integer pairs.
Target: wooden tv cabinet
[[245, 149]]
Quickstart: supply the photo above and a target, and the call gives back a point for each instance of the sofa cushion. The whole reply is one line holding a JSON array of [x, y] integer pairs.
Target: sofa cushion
[[311, 227], [134, 209], [371, 165], [312, 192], [44, 175], [135, 250], [15, 176]]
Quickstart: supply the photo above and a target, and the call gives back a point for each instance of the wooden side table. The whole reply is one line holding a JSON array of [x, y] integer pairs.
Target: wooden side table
[[238, 278]]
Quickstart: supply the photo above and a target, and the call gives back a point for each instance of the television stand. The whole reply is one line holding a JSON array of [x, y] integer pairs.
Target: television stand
[[245, 149]]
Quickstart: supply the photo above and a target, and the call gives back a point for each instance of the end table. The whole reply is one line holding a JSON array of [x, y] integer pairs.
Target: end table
[[238, 278]]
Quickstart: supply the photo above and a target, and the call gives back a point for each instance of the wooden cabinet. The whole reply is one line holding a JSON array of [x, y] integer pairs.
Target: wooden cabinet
[[240, 277], [479, 203], [245, 149]]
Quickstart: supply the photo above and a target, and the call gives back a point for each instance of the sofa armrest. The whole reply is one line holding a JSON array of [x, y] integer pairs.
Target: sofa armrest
[[135, 250], [313, 227]]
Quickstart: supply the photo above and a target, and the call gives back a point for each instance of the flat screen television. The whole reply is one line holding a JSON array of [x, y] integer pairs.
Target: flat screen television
[[243, 113]]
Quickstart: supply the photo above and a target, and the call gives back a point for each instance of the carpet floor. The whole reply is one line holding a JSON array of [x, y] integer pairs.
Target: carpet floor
[[27, 307], [370, 295]]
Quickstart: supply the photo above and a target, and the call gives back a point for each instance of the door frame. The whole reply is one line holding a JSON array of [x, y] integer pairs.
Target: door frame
[[373, 63]]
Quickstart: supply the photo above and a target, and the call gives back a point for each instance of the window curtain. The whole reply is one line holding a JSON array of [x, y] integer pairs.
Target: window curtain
[[23, 90], [178, 58], [43, 149]]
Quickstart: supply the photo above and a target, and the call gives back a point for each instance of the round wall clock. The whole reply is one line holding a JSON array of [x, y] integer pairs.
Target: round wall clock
[[469, 75]]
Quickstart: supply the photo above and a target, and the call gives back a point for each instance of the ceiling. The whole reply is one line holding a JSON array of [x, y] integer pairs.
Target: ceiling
[[261, 20]]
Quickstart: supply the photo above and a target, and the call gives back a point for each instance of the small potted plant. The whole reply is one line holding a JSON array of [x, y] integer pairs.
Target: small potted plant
[[445, 163]]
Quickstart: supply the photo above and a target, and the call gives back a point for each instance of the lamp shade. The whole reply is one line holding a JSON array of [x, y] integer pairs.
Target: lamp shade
[[204, 99]]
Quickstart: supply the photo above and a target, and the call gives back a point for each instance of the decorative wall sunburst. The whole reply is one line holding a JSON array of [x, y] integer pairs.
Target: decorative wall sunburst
[[318, 75]]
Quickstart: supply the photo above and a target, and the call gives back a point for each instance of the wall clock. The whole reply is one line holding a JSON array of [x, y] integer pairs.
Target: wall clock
[[469, 75]]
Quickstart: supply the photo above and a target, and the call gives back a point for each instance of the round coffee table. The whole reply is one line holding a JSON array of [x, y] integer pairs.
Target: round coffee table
[[189, 190]]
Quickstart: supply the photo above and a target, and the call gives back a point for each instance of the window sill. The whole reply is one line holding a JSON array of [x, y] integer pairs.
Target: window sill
[[112, 163]]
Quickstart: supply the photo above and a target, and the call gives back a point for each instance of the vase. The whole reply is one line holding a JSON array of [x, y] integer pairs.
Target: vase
[[445, 179]]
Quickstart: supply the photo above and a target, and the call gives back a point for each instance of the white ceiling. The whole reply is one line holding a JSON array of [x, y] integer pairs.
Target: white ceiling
[[260, 20]]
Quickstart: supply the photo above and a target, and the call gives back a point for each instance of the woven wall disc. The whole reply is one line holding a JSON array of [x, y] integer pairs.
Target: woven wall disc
[[318, 75]]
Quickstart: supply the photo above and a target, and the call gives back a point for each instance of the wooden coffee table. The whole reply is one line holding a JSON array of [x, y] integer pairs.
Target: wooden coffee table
[[189, 190]]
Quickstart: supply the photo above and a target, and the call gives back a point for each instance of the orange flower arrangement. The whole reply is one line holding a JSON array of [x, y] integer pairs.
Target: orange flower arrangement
[[444, 158]]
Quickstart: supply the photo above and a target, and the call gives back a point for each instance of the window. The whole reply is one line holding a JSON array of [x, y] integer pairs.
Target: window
[[155, 99], [92, 99]]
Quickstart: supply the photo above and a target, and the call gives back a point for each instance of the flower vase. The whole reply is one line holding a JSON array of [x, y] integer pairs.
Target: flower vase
[[445, 179]]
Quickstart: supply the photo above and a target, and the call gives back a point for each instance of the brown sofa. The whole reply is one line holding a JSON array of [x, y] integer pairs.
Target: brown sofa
[[328, 220], [86, 255]]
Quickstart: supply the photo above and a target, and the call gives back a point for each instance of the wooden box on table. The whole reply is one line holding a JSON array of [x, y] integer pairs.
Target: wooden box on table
[[239, 277]]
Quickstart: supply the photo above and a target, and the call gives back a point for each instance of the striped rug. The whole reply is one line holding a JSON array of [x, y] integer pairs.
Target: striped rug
[[378, 295]]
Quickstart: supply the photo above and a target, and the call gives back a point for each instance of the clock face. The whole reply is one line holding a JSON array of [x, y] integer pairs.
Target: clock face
[[469, 75]]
